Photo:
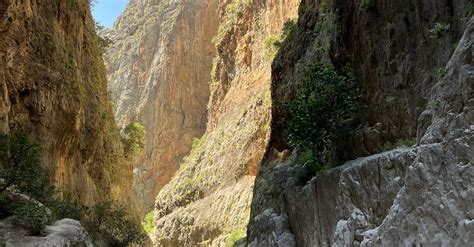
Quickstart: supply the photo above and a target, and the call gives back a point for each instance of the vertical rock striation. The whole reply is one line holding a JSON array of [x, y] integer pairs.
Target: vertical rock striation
[[53, 86], [159, 67], [208, 200], [417, 195]]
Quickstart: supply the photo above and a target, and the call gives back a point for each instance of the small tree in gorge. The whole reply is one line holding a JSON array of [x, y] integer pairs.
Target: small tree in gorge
[[326, 100], [133, 138]]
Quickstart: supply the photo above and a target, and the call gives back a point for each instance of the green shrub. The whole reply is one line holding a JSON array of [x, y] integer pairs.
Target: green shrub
[[308, 158], [230, 19], [33, 213], [399, 143], [20, 166], [325, 101], [148, 224], [133, 138], [196, 142], [66, 207], [365, 5], [324, 6], [236, 238], [112, 220], [273, 43], [302, 9], [439, 29], [104, 42], [434, 104], [442, 72], [289, 27]]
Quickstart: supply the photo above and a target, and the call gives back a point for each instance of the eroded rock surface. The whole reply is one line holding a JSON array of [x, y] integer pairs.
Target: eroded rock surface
[[208, 200], [159, 68], [65, 232], [409, 196], [53, 87], [434, 207]]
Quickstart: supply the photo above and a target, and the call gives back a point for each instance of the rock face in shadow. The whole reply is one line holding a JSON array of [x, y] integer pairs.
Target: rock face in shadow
[[408, 196], [434, 205], [53, 87], [394, 50], [208, 200], [159, 68], [312, 211]]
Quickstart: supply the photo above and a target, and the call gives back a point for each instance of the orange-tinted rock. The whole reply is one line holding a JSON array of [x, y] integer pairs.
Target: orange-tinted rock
[[53, 87], [209, 198], [159, 69]]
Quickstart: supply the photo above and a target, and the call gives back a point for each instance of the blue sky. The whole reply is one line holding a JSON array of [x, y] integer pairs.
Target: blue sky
[[106, 11]]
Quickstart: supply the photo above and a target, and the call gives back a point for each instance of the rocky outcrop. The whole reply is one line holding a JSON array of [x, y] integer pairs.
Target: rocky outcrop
[[159, 67], [19, 230], [433, 207], [208, 200], [53, 87], [311, 212], [408, 196], [394, 78], [65, 232]]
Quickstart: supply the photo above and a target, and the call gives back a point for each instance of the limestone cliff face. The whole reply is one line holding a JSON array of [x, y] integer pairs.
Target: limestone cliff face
[[159, 68], [53, 86], [394, 78], [416, 83], [208, 200]]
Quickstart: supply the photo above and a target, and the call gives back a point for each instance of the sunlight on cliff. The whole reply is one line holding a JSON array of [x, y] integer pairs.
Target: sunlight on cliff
[[236, 123]]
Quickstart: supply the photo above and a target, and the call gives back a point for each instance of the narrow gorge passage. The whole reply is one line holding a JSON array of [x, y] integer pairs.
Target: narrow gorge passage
[[159, 65], [236, 123]]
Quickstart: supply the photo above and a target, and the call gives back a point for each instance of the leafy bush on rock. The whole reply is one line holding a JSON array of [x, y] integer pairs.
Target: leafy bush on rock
[[326, 100]]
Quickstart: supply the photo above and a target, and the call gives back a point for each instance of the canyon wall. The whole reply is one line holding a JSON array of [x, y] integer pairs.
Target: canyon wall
[[218, 70], [159, 68], [417, 83], [53, 86], [208, 200]]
